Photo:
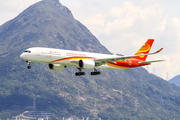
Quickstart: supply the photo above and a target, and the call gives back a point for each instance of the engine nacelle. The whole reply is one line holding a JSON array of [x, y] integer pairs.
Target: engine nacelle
[[57, 67], [86, 64]]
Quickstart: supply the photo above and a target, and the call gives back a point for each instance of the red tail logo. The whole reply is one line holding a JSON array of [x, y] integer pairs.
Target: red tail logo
[[144, 50]]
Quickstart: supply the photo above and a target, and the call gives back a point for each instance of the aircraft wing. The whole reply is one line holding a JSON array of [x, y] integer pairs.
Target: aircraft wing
[[74, 63], [101, 61], [146, 62]]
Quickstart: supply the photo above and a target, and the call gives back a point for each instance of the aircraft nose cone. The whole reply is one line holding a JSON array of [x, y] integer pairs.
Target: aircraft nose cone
[[22, 56]]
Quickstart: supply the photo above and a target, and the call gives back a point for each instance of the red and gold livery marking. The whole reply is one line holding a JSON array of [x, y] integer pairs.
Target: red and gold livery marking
[[118, 66], [71, 58], [144, 50]]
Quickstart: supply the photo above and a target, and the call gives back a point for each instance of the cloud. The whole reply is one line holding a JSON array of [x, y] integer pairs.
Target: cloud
[[129, 22], [116, 12], [125, 29]]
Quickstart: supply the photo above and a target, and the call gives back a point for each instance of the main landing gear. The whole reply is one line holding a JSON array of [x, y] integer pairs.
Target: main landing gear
[[83, 73], [29, 66], [95, 72], [79, 73]]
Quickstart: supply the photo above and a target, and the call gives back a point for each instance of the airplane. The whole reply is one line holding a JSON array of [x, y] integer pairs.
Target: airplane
[[58, 59]]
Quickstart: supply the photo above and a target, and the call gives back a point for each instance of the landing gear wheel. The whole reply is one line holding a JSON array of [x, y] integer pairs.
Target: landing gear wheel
[[79, 73], [82, 73], [29, 67], [95, 72], [98, 72]]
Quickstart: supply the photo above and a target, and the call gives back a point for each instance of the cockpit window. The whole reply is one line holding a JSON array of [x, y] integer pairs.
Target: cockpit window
[[27, 51]]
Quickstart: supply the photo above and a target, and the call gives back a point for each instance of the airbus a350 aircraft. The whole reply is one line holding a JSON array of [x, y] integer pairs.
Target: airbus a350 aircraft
[[58, 59]]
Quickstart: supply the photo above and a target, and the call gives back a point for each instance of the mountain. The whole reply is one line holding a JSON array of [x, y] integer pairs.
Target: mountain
[[132, 94], [175, 80]]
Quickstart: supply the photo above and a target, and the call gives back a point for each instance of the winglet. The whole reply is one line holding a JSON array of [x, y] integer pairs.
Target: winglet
[[156, 51], [159, 50]]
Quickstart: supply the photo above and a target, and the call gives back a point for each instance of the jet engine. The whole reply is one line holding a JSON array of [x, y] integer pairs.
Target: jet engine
[[86, 64], [56, 67]]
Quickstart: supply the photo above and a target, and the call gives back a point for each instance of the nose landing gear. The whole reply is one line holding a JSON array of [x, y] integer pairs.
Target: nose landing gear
[[29, 66]]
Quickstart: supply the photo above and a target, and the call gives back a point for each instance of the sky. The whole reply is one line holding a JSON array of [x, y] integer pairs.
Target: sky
[[123, 26]]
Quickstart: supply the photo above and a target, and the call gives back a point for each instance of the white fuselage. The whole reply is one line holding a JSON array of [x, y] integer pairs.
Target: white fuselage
[[64, 57]]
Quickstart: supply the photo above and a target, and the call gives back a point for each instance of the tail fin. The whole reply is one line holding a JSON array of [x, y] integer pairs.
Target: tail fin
[[144, 50]]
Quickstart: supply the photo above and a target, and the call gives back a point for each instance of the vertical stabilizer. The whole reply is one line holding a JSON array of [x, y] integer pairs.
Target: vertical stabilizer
[[144, 50]]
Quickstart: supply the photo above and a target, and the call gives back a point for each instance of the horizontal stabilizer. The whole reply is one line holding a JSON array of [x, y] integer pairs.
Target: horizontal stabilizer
[[147, 62]]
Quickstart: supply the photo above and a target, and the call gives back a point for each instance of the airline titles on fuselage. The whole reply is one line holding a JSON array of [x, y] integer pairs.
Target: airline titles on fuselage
[[68, 53]]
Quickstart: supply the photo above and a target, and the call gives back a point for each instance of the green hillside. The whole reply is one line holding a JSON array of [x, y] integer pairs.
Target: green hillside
[[132, 94]]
